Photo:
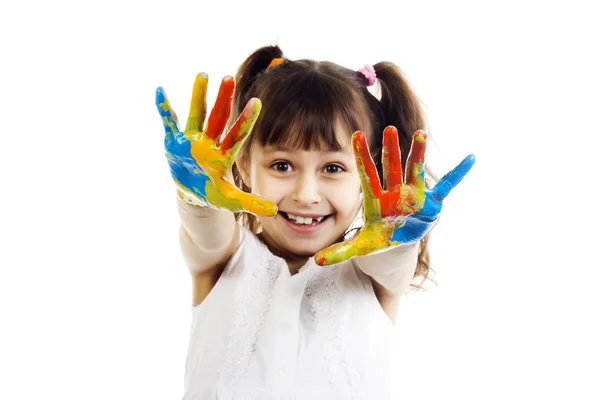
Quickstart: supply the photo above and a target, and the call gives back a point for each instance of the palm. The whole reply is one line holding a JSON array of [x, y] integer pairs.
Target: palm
[[198, 163], [405, 211]]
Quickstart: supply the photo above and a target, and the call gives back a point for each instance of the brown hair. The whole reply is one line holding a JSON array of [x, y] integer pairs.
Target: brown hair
[[303, 98]]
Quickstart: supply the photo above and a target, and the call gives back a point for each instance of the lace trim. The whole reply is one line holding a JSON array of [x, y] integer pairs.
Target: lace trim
[[253, 305], [225, 393], [322, 293]]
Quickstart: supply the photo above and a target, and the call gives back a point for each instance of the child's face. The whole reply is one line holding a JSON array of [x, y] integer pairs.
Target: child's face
[[309, 184]]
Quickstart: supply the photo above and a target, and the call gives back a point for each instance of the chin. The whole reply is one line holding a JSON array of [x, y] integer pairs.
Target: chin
[[306, 249]]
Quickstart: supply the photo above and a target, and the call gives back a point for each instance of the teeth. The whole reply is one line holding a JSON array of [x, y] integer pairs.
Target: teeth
[[303, 220]]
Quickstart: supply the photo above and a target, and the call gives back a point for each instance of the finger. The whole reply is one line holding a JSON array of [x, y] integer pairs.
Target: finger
[[371, 238], [415, 165], [337, 253], [392, 163], [228, 196], [453, 178], [197, 114], [168, 115], [366, 166], [241, 129], [368, 175], [220, 113]]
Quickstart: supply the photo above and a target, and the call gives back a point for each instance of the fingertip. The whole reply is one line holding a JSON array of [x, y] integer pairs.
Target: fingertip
[[390, 137], [468, 162], [356, 134], [358, 138], [159, 94], [272, 209], [201, 82], [162, 102], [253, 107], [390, 130], [420, 136], [319, 259], [228, 83], [263, 208]]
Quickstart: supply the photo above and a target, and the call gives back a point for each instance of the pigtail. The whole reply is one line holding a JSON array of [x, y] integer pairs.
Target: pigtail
[[402, 109], [400, 106], [254, 65], [251, 68]]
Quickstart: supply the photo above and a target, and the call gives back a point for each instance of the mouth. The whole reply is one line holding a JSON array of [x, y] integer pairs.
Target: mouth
[[304, 224]]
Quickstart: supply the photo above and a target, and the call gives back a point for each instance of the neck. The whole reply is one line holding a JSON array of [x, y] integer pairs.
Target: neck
[[294, 261]]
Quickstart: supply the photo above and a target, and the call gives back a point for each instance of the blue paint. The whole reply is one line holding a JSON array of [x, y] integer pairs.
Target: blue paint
[[417, 225], [184, 167]]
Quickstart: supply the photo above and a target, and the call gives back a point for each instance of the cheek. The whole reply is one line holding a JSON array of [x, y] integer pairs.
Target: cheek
[[265, 185], [349, 203]]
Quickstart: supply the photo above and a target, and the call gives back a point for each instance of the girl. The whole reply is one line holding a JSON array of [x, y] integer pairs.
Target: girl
[[268, 320]]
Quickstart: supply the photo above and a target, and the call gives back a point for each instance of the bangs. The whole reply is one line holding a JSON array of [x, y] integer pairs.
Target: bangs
[[305, 112]]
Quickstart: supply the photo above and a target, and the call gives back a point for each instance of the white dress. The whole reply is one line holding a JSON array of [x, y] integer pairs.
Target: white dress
[[264, 334]]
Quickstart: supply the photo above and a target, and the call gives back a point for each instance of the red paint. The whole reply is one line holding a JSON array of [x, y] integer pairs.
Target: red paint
[[361, 149], [234, 134], [220, 113], [416, 156], [398, 198], [392, 164], [319, 259]]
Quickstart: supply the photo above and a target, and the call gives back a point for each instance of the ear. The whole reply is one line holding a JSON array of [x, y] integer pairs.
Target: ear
[[243, 167]]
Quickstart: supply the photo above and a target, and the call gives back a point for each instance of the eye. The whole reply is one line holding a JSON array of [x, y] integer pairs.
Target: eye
[[333, 168], [281, 166]]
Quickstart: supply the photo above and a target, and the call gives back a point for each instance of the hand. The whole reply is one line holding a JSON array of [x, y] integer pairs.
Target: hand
[[198, 164], [404, 212]]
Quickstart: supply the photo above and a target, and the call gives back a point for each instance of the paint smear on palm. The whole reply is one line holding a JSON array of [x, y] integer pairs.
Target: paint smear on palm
[[372, 237], [210, 162], [399, 200], [218, 159], [384, 211]]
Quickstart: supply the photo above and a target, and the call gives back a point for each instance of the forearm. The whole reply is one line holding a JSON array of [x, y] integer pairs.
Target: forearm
[[207, 236], [206, 226], [392, 269]]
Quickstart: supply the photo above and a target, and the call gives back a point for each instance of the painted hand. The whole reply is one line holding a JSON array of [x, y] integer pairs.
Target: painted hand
[[404, 212], [199, 165]]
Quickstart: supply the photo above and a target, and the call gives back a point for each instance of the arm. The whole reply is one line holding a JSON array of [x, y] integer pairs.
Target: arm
[[391, 273], [200, 164], [393, 269], [208, 237], [396, 218]]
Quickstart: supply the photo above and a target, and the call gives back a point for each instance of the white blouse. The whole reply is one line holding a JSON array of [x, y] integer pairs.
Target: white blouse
[[264, 334]]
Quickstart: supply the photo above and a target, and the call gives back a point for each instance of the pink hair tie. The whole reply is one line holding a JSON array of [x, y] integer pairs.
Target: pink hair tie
[[369, 72]]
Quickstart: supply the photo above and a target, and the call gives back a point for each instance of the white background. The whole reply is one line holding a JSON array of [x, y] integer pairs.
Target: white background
[[94, 295]]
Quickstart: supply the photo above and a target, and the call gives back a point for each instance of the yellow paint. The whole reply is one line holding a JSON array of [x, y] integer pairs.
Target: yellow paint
[[372, 237], [197, 107], [419, 137]]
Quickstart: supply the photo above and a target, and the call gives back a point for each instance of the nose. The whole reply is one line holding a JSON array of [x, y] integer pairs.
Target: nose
[[307, 190]]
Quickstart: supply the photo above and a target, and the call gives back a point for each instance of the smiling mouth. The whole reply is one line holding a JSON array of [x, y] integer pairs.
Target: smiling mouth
[[304, 221]]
